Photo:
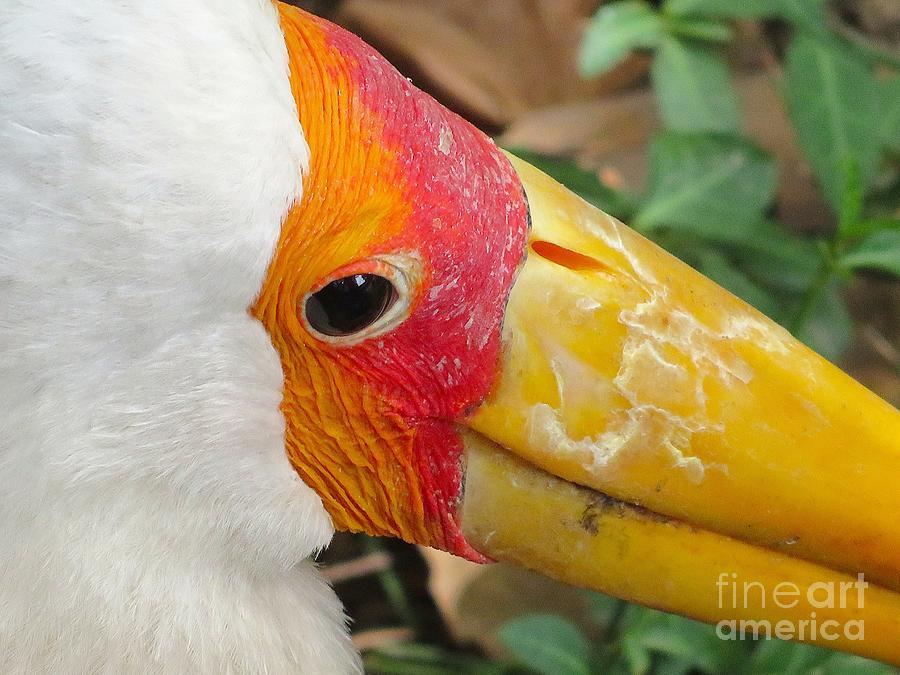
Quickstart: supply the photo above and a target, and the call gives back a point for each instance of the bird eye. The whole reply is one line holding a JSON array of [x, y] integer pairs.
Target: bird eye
[[349, 305]]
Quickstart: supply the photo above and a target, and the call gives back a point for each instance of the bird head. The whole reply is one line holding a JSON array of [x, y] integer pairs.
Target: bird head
[[560, 393], [387, 291]]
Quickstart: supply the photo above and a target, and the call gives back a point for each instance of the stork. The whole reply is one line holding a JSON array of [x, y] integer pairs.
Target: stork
[[254, 285]]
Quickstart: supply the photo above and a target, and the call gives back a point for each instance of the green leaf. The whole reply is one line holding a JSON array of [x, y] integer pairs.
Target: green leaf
[[604, 609], [852, 198], [609, 660], [777, 657], [833, 103], [771, 256], [879, 251], [767, 242], [638, 658], [829, 327], [866, 227], [763, 241], [699, 180], [676, 641], [548, 644], [584, 183], [672, 666], [693, 88], [721, 270], [633, 623], [889, 108], [615, 30], [848, 664], [695, 643], [806, 13], [698, 29]]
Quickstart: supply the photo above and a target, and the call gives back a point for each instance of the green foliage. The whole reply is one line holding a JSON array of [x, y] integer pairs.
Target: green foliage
[[698, 29], [704, 182], [548, 644], [639, 641], [889, 113], [880, 251], [833, 102], [724, 272], [827, 324], [617, 30], [686, 643], [774, 657], [693, 87], [419, 659], [805, 13], [710, 191]]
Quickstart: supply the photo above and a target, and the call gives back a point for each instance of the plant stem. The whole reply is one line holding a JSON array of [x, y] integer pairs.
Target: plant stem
[[393, 588], [611, 634], [813, 293]]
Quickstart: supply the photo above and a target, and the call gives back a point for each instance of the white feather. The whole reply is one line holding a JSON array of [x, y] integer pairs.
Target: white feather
[[149, 519]]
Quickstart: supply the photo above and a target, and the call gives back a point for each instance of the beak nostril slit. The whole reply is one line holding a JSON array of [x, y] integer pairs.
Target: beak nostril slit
[[566, 257]]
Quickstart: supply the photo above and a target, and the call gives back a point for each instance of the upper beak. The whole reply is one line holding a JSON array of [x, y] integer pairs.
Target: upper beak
[[653, 437]]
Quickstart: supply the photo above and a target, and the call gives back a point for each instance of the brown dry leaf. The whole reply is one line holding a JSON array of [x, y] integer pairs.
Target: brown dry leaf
[[449, 575], [609, 134], [800, 201], [597, 127], [493, 61], [614, 132]]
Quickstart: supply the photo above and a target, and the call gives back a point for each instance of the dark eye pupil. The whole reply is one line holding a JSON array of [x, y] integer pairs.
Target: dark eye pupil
[[346, 306]]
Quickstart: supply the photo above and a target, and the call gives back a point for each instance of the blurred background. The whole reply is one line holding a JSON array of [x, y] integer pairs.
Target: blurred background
[[758, 140]]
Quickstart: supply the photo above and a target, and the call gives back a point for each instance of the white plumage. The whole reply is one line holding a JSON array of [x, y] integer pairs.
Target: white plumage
[[149, 519]]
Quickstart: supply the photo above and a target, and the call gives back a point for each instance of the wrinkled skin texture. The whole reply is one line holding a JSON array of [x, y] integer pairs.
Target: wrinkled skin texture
[[370, 425]]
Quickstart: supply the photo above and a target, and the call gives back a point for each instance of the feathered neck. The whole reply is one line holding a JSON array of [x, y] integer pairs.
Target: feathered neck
[[151, 521]]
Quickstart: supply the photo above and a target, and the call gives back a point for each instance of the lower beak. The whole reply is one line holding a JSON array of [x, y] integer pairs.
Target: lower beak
[[653, 437]]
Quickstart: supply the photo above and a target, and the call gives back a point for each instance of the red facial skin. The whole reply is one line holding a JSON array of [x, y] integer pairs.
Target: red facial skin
[[393, 172]]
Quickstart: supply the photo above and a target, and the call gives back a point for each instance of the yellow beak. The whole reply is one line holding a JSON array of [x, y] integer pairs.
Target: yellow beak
[[653, 437]]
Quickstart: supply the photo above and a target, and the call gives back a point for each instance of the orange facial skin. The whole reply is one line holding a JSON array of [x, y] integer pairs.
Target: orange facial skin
[[370, 425]]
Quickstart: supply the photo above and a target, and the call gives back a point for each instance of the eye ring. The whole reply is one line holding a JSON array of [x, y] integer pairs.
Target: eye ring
[[361, 300], [350, 304]]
